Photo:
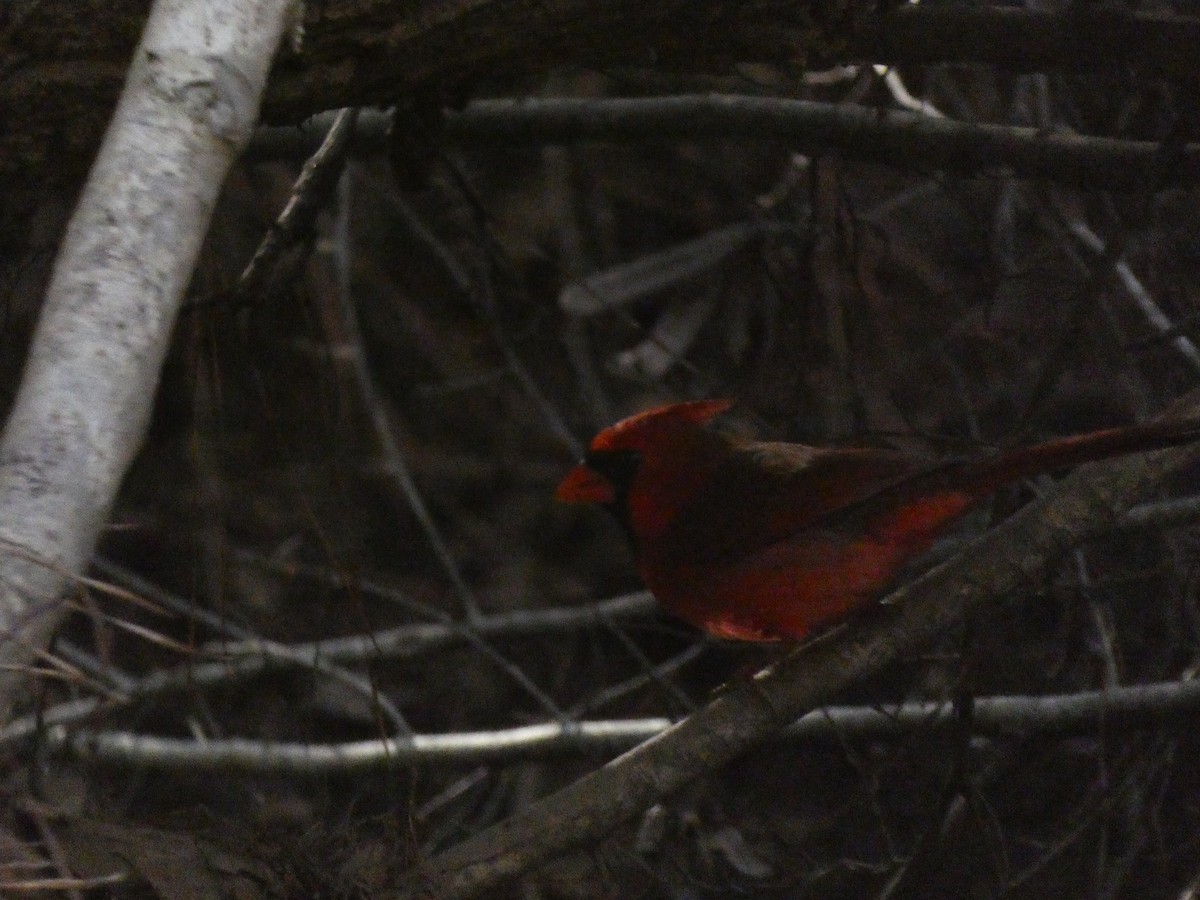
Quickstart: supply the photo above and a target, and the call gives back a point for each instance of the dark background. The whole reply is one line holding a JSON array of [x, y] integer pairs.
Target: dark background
[[862, 303]]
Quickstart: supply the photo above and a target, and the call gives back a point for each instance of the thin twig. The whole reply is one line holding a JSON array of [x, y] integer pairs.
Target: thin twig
[[375, 406], [267, 651], [295, 226]]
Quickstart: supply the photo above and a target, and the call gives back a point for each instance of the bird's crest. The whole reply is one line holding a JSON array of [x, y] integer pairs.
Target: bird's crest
[[634, 432]]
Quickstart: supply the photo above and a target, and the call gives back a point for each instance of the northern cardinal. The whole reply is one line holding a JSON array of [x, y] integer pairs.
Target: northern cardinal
[[761, 541]]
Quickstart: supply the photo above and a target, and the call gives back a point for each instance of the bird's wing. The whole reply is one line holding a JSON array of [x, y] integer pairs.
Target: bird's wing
[[766, 492]]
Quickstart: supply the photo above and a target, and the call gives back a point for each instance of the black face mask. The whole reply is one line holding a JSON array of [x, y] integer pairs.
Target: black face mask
[[619, 467]]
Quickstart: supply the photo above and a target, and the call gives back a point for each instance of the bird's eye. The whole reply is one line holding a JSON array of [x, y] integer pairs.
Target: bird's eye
[[618, 466]]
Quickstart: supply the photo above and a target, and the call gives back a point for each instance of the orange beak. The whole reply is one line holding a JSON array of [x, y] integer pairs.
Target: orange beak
[[583, 485]]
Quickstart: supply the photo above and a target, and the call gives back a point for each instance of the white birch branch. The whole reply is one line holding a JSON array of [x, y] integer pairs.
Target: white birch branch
[[189, 105]]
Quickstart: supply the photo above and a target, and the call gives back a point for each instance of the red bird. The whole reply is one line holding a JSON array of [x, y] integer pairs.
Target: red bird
[[761, 541]]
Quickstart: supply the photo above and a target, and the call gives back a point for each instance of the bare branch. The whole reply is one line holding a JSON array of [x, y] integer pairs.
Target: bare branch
[[313, 190], [1111, 709], [891, 137]]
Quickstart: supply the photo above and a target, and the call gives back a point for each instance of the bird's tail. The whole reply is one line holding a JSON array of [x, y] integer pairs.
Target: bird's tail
[[990, 474]]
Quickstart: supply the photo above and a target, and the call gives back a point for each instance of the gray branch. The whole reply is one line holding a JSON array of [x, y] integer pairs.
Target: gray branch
[[1119, 708], [892, 137]]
